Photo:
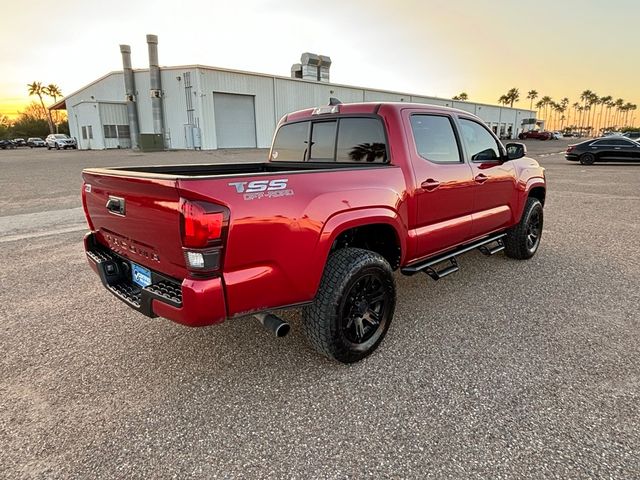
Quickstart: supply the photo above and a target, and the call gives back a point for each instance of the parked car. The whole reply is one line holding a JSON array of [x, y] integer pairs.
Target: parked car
[[537, 134], [35, 142], [557, 135], [350, 193], [4, 144], [614, 148], [19, 142], [60, 140], [632, 135]]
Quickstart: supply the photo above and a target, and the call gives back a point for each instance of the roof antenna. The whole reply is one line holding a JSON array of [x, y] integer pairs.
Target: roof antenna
[[334, 101]]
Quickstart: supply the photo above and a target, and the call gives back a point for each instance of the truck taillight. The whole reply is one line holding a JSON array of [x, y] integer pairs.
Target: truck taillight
[[85, 189], [202, 223]]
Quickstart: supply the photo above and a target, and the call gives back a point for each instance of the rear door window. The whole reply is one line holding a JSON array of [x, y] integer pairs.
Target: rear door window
[[290, 144], [361, 140], [435, 138]]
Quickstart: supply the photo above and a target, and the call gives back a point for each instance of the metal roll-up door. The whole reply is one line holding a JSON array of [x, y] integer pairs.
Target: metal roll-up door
[[235, 119], [115, 125]]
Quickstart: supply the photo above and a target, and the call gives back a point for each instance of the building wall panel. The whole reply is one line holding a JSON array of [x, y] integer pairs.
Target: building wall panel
[[378, 96], [175, 105], [87, 114], [292, 95]]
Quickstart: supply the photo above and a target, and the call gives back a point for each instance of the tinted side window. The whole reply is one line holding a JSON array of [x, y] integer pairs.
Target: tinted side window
[[482, 146], [435, 139], [361, 140], [290, 144], [323, 141], [619, 142]]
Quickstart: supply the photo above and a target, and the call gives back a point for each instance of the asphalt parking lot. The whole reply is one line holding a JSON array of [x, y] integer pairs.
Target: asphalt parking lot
[[505, 370]]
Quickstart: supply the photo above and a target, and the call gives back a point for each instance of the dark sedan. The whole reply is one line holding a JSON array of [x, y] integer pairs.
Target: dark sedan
[[607, 149]]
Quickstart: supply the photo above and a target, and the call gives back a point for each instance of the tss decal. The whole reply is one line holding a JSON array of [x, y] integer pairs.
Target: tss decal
[[263, 188]]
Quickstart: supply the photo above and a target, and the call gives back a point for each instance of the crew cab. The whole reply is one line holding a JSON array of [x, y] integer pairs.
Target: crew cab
[[349, 194]]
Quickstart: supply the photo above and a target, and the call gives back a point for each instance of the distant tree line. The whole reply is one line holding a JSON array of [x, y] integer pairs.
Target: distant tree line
[[36, 120], [591, 115]]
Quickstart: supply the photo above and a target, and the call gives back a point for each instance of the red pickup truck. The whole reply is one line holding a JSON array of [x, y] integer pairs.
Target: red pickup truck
[[349, 194]]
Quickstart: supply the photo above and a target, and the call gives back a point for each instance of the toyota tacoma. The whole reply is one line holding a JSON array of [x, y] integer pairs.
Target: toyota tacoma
[[349, 194]]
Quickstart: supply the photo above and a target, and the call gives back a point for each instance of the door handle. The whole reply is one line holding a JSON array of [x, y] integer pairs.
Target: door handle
[[115, 205], [430, 184], [481, 178]]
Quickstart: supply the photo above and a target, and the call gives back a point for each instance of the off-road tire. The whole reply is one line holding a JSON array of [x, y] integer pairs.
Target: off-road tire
[[518, 242], [587, 159], [325, 320]]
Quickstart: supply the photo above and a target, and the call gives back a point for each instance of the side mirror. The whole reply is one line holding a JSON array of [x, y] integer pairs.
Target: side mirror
[[516, 150]]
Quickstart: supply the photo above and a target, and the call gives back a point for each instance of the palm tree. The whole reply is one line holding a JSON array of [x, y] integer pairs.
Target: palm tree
[[585, 96], [532, 95], [546, 101], [513, 95], [618, 104], [560, 109], [554, 117], [564, 104], [539, 107], [503, 100], [575, 107], [463, 97], [36, 88], [627, 109], [54, 92], [581, 110], [633, 107], [593, 101], [610, 105], [603, 101]]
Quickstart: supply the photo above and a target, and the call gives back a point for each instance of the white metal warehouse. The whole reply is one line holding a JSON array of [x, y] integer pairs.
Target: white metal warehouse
[[197, 106]]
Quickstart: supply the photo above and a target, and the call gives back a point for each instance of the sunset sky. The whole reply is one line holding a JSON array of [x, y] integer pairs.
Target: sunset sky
[[431, 47]]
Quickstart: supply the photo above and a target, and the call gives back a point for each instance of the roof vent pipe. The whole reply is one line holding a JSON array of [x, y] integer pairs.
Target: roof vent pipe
[[155, 85], [130, 95]]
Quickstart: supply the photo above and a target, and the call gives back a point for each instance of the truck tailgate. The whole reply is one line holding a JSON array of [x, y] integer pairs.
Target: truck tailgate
[[144, 226]]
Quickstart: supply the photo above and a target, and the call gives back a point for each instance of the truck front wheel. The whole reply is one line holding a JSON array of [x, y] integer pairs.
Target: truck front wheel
[[354, 305], [523, 240]]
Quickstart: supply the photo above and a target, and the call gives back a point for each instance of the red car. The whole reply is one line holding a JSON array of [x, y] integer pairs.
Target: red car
[[538, 134], [350, 193]]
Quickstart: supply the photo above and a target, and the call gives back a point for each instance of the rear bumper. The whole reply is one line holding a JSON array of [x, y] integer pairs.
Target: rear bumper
[[195, 303], [572, 157]]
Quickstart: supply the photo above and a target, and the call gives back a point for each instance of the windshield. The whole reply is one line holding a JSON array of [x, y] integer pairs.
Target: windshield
[[60, 135]]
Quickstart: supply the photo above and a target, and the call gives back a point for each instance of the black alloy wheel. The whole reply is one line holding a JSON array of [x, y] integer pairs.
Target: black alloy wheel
[[365, 308], [534, 229]]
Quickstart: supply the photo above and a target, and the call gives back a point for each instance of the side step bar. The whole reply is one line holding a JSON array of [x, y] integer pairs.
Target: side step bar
[[430, 266]]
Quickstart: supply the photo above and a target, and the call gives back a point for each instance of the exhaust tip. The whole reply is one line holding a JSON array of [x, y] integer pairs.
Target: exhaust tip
[[273, 323], [282, 330]]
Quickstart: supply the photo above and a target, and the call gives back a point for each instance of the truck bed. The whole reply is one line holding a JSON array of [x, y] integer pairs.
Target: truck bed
[[208, 170]]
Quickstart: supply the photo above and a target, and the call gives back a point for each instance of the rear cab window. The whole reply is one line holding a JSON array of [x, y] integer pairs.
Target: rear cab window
[[341, 140]]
